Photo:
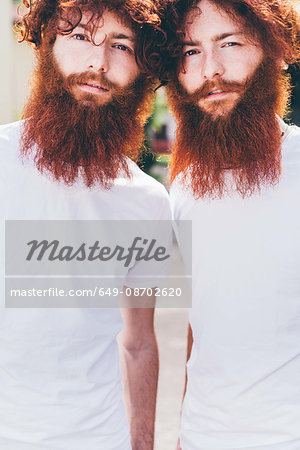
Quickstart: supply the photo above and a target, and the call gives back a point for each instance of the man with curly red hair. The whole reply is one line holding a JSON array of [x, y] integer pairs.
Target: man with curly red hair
[[72, 158], [235, 173]]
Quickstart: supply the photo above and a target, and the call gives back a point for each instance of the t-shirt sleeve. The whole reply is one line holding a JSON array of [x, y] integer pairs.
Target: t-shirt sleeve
[[154, 265]]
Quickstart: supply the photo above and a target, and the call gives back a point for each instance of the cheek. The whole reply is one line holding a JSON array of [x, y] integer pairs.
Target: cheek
[[66, 57], [58, 48], [190, 75], [247, 65], [64, 65], [182, 79], [255, 62], [134, 71], [189, 80], [242, 72], [124, 72], [60, 56]]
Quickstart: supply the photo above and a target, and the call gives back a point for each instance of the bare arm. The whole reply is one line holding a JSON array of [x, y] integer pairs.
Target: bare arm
[[190, 341], [188, 354], [139, 364]]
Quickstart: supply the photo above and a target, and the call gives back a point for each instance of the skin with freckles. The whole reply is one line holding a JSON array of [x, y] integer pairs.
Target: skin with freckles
[[214, 54], [109, 51]]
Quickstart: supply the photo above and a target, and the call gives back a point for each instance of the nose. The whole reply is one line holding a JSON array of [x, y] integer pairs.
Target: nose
[[212, 66], [97, 57]]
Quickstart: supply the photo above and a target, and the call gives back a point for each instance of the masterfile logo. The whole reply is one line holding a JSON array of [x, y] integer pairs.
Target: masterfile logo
[[92, 264], [140, 250]]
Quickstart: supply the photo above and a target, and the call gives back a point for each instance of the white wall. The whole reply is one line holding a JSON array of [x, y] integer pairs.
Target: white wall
[[16, 63], [22, 66]]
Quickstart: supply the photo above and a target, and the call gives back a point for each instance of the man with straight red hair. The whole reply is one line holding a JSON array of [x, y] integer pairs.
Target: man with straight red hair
[[235, 173], [72, 159]]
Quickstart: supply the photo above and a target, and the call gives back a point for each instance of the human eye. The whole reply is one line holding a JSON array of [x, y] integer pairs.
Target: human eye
[[79, 37], [190, 53], [122, 47], [231, 44]]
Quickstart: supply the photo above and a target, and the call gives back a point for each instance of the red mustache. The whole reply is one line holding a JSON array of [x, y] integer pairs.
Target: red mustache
[[86, 77], [219, 85]]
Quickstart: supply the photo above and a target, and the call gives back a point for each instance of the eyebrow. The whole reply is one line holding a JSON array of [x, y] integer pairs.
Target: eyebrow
[[122, 36], [85, 26], [217, 38]]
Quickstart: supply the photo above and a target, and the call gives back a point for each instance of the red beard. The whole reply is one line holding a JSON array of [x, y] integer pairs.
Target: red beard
[[70, 137], [247, 140]]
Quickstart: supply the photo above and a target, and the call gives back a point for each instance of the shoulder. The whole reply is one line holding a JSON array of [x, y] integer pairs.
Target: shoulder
[[181, 197], [9, 145], [181, 186], [291, 143], [293, 132], [149, 196], [9, 138], [10, 132], [149, 184]]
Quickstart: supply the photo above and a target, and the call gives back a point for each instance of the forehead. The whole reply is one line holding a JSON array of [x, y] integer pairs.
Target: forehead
[[109, 21], [208, 19]]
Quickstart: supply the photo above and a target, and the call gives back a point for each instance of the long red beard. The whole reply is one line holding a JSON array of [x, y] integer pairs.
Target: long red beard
[[70, 138], [247, 140]]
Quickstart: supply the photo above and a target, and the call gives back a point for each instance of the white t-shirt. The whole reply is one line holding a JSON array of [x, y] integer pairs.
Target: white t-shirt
[[243, 388], [60, 383]]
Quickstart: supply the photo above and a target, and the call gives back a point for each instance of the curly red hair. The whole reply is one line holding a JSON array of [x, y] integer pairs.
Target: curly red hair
[[276, 23], [41, 17]]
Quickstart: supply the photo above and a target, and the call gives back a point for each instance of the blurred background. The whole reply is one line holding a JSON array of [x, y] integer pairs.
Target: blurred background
[[171, 324]]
